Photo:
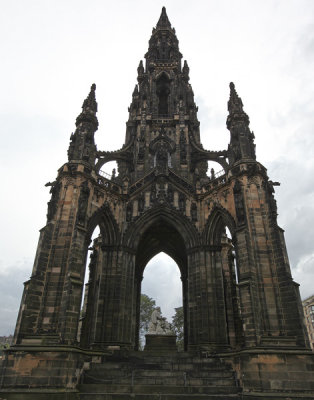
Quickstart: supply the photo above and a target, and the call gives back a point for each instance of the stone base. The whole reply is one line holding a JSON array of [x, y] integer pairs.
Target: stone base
[[163, 343]]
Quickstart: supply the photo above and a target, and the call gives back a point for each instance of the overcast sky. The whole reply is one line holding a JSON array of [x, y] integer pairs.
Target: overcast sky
[[52, 51]]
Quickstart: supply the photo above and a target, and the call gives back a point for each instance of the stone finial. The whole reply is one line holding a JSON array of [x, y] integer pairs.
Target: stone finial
[[235, 108], [140, 68], [163, 20], [90, 102]]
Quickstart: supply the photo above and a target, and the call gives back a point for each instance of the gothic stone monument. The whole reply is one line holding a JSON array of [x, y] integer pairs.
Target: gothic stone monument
[[243, 325]]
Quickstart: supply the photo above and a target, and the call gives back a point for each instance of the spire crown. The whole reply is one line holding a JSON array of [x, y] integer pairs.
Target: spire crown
[[235, 103], [90, 101], [163, 22]]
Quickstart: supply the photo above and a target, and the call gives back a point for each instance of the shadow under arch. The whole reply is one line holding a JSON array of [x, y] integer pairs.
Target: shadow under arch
[[162, 214], [108, 226], [218, 219], [214, 235], [161, 230]]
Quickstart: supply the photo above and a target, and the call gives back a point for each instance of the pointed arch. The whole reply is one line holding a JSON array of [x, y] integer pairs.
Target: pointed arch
[[163, 91], [168, 215], [218, 219], [107, 224]]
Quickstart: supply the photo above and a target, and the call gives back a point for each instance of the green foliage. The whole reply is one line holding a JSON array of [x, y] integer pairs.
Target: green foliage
[[3, 346], [147, 307], [178, 327]]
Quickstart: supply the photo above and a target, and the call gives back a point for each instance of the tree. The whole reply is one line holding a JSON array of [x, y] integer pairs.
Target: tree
[[148, 305], [178, 327]]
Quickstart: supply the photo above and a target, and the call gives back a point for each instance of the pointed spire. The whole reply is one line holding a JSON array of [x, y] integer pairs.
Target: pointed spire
[[135, 91], [89, 109], [82, 145], [235, 107], [90, 102], [163, 22], [242, 139]]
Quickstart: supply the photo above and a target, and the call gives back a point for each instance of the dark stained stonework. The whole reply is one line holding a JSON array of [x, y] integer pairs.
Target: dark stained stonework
[[244, 335]]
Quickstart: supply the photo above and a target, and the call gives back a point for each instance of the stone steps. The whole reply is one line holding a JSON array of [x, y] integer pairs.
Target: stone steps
[[155, 392], [148, 396], [157, 389], [143, 376]]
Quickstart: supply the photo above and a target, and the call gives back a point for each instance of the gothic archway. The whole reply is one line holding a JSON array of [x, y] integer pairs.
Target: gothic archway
[[220, 234], [161, 236], [161, 230]]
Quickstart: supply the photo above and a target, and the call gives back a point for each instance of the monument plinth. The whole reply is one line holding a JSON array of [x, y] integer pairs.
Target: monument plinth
[[161, 343]]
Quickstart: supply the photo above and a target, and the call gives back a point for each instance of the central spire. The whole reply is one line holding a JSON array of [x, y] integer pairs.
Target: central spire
[[163, 44]]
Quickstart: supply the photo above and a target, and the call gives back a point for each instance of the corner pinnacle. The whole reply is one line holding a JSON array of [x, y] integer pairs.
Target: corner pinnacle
[[90, 102]]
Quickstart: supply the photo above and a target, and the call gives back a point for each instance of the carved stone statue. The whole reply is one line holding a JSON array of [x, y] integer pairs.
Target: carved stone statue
[[159, 325]]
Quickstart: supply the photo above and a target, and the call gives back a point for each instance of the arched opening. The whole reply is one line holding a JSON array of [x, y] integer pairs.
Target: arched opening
[[162, 283], [214, 170], [163, 239], [221, 233], [109, 170], [89, 264], [163, 91]]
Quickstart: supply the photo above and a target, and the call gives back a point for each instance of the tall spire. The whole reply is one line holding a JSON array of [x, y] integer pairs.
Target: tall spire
[[235, 107], [163, 22], [89, 109], [242, 139], [82, 145], [163, 44]]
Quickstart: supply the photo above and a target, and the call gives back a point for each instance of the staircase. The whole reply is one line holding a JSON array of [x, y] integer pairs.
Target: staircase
[[143, 376]]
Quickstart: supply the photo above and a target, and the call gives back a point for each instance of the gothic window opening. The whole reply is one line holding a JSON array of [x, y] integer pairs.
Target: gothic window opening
[[109, 170], [162, 283], [91, 260], [214, 170], [163, 91], [232, 256]]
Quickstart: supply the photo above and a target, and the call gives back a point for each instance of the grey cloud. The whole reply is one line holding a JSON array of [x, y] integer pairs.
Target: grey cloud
[[11, 289]]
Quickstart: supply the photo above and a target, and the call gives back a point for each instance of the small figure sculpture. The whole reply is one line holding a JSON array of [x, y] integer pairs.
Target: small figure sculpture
[[159, 325]]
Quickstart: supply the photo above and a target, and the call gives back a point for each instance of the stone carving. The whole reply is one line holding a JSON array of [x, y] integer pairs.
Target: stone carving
[[170, 194], [182, 148], [83, 202], [194, 212], [162, 156], [129, 212], [239, 203], [53, 203], [159, 325], [141, 203], [141, 147], [182, 202], [153, 193]]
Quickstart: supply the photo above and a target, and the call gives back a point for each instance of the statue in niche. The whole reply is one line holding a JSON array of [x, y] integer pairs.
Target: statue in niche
[[141, 203], [159, 325], [82, 203], [239, 203], [182, 148], [181, 202], [141, 147], [162, 156], [194, 212], [129, 212], [153, 194], [170, 193], [52, 204]]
